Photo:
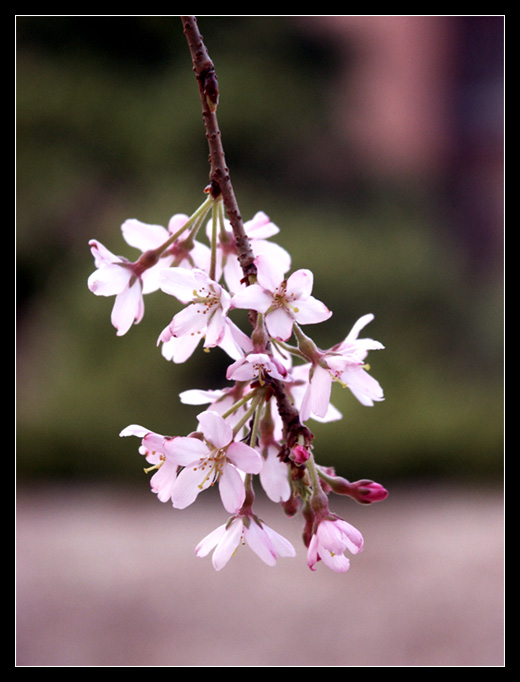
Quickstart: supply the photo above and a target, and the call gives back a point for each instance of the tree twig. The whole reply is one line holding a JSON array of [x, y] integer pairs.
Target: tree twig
[[220, 184], [220, 181]]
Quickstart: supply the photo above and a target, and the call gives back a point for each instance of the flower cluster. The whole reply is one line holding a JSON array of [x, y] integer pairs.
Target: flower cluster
[[277, 380]]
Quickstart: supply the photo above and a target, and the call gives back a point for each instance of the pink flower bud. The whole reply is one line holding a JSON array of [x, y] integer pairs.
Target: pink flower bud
[[366, 492], [299, 454]]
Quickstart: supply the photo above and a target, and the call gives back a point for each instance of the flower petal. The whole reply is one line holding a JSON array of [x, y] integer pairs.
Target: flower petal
[[188, 484], [245, 458], [311, 311], [184, 450], [109, 280], [253, 297], [210, 541], [279, 324], [128, 308], [142, 235], [300, 283], [215, 429], [228, 544], [179, 282], [260, 543], [231, 489]]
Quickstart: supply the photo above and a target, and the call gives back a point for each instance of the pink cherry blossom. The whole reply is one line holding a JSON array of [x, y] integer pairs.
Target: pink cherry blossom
[[126, 280], [214, 457], [203, 317], [283, 301], [116, 276], [258, 231], [329, 542], [152, 447], [256, 366], [297, 388], [244, 529], [184, 252], [343, 363]]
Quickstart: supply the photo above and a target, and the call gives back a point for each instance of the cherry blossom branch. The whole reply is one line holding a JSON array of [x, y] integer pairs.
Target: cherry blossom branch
[[220, 184], [220, 181]]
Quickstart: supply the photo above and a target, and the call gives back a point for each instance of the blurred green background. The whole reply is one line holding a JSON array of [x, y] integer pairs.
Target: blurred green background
[[374, 144]]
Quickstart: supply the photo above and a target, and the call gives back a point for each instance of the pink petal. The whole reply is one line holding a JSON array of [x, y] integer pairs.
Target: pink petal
[[188, 484], [134, 430], [163, 480], [253, 297], [320, 389], [358, 326], [215, 429], [228, 544], [231, 489], [311, 311], [215, 329], [102, 256], [185, 451], [189, 320], [279, 324], [338, 563], [270, 273], [260, 226], [245, 458], [274, 478], [300, 283], [260, 543]]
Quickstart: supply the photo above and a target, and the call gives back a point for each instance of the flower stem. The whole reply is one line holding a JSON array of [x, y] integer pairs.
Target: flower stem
[[319, 501], [254, 405]]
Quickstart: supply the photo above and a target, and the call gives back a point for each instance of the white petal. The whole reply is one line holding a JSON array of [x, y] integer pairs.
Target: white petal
[[134, 430], [210, 541], [180, 349], [109, 280], [281, 545], [128, 308], [274, 478], [178, 282], [142, 235], [358, 326]]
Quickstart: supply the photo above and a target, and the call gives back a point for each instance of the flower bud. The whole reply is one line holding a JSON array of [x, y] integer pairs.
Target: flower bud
[[299, 454], [366, 491]]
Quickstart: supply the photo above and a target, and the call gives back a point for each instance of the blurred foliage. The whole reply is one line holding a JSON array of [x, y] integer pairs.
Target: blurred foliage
[[109, 127]]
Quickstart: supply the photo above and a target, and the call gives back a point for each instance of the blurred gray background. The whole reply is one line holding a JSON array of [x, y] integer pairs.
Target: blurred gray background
[[375, 143]]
